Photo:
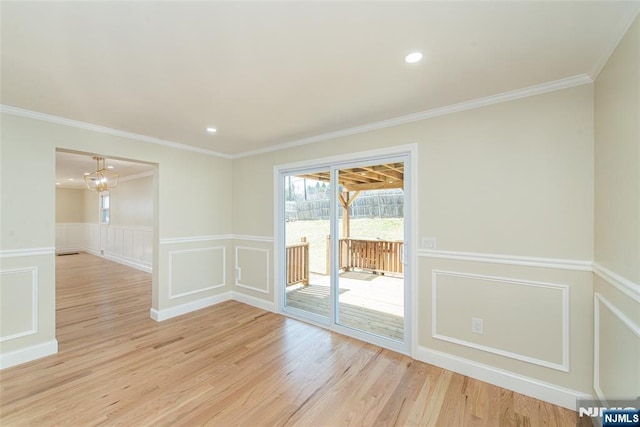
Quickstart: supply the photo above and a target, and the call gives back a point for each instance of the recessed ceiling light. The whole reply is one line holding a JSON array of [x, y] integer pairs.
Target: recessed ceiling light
[[413, 57], [57, 183], [109, 167], [86, 173], [70, 179], [212, 130]]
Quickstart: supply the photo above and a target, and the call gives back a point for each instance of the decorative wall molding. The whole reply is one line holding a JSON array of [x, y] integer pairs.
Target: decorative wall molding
[[70, 237], [435, 112], [105, 130], [34, 302], [551, 393], [130, 227], [253, 238], [238, 270], [599, 300], [128, 245], [564, 366], [555, 263], [13, 253], [215, 237], [172, 254], [624, 285], [28, 354], [194, 239], [171, 312]]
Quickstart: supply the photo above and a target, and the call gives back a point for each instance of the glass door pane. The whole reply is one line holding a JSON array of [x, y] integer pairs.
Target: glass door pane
[[370, 283], [307, 262]]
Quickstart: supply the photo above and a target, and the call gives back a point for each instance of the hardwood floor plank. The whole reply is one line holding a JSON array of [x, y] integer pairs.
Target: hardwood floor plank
[[230, 364]]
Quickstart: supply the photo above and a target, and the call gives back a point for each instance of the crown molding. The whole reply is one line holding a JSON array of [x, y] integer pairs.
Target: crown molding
[[565, 83], [106, 130], [422, 115]]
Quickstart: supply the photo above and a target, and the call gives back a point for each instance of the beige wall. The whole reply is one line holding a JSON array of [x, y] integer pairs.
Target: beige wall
[[69, 205], [132, 203], [617, 131], [27, 198], [617, 221], [91, 211], [514, 179]]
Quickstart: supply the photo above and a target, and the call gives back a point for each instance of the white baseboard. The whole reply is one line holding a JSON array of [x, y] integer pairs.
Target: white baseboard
[[91, 251], [551, 393], [253, 301], [28, 354], [120, 260], [171, 312], [69, 249], [128, 262], [168, 313]]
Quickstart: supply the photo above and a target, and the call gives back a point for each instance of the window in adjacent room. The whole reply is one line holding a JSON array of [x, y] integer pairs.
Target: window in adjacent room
[[104, 208]]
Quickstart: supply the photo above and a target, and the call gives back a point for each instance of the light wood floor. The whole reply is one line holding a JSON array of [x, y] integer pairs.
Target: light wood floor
[[230, 364]]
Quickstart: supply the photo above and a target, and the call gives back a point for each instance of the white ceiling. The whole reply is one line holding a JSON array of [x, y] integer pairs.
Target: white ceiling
[[269, 73], [71, 167]]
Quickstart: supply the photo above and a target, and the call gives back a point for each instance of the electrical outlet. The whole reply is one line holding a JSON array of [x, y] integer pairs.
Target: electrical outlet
[[428, 243], [476, 325]]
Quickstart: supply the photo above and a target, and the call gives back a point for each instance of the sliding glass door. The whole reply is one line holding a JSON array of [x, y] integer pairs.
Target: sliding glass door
[[342, 250], [306, 221], [370, 280]]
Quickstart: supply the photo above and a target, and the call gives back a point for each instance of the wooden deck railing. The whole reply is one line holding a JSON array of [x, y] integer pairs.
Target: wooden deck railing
[[381, 256], [298, 263]]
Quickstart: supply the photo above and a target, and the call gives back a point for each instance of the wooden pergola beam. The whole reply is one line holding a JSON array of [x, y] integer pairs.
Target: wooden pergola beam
[[375, 186], [378, 177], [389, 174]]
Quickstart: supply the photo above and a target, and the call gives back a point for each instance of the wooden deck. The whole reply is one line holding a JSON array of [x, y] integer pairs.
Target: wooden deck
[[369, 302]]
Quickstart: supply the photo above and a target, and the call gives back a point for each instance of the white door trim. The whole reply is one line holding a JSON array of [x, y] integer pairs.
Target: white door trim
[[409, 152]]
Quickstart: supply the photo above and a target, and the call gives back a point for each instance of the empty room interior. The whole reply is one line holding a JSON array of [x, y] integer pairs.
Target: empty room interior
[[319, 213]]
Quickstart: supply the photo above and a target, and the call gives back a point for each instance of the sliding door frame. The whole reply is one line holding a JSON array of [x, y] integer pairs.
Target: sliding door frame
[[407, 154]]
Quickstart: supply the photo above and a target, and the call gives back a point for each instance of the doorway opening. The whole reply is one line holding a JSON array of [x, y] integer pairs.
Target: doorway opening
[[117, 224]]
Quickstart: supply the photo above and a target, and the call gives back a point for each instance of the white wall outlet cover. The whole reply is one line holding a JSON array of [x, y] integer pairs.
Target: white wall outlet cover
[[476, 325], [428, 243]]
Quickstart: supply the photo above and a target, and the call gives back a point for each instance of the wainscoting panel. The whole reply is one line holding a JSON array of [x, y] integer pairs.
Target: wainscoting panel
[[70, 237], [252, 268], [196, 270], [515, 314], [18, 303], [92, 239], [616, 351], [132, 246]]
